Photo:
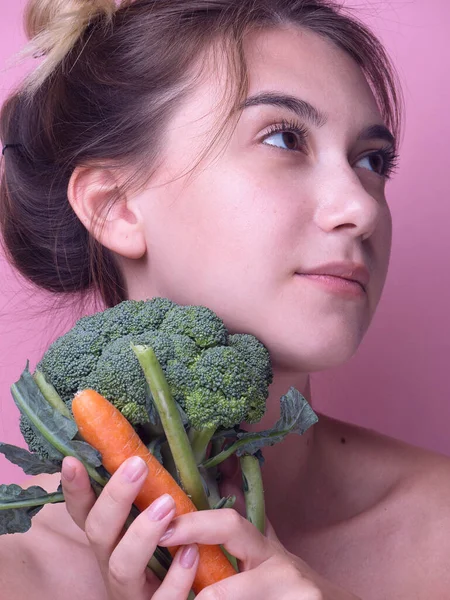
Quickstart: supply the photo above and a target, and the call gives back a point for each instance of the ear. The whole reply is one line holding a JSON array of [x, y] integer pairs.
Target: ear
[[108, 214]]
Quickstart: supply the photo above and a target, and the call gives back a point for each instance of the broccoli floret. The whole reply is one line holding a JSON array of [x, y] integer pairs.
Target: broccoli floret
[[197, 322], [256, 356], [225, 390], [118, 375], [218, 379]]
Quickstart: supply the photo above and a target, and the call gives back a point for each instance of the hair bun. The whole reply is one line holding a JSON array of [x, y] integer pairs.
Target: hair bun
[[53, 28]]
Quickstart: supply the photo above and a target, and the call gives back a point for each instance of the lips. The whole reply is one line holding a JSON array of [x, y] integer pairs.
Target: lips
[[357, 273]]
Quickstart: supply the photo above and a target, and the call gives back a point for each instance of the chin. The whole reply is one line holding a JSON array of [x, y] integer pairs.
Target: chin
[[311, 353]]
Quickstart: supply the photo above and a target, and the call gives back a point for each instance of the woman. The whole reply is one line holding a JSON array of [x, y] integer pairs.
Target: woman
[[234, 154]]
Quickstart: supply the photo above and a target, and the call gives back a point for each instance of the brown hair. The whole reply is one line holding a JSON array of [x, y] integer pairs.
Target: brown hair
[[109, 81]]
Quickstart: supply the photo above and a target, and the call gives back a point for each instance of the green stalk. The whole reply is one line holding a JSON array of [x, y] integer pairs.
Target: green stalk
[[173, 426], [41, 501], [227, 502], [253, 491], [200, 439], [218, 458], [51, 395]]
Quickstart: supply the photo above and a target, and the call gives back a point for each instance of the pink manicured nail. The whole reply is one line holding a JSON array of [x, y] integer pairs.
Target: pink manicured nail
[[134, 468], [160, 508], [188, 556], [166, 536], [68, 471]]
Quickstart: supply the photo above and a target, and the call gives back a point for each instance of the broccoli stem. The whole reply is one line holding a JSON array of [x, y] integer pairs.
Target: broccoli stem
[[41, 501], [51, 395], [218, 458], [200, 439], [173, 426], [227, 502], [253, 491]]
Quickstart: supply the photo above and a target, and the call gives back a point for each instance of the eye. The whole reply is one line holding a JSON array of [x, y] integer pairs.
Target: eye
[[383, 162], [287, 136]]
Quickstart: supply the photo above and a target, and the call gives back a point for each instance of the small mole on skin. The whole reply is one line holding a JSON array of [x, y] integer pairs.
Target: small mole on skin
[[343, 440]]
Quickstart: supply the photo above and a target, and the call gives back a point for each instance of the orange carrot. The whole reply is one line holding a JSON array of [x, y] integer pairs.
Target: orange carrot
[[102, 426]]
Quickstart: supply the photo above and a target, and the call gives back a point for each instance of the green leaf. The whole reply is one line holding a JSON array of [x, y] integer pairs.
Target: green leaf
[[18, 506], [296, 416], [86, 453], [31, 463], [56, 429]]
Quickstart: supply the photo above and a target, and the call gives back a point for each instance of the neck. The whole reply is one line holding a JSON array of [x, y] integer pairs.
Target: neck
[[287, 465]]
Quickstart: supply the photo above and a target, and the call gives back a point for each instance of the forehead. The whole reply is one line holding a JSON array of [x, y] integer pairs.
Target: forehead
[[299, 62], [286, 60]]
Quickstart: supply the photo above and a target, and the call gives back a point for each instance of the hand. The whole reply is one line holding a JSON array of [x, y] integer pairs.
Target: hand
[[123, 556], [267, 569]]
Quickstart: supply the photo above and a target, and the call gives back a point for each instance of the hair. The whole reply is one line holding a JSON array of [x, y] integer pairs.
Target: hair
[[109, 80]]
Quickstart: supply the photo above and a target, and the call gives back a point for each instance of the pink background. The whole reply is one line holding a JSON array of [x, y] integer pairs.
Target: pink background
[[398, 382]]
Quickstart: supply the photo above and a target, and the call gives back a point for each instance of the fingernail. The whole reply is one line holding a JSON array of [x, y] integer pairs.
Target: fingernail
[[160, 507], [166, 536], [134, 468], [188, 556], [68, 471]]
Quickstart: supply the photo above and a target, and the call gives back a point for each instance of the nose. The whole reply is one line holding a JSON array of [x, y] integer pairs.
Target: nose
[[344, 204]]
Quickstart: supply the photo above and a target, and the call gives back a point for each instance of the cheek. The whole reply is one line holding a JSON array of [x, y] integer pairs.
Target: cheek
[[220, 225], [224, 241]]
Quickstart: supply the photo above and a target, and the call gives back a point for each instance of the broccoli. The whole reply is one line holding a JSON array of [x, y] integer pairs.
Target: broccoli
[[218, 379]]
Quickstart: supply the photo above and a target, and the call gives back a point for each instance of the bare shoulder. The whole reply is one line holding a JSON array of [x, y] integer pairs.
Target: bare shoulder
[[52, 560], [405, 515]]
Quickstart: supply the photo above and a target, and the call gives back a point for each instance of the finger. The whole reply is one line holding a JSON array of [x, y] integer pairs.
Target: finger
[[107, 518], [270, 532], [224, 526], [128, 561], [180, 577], [78, 493], [272, 580]]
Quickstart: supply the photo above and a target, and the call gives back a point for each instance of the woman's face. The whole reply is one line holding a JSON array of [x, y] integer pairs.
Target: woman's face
[[296, 190]]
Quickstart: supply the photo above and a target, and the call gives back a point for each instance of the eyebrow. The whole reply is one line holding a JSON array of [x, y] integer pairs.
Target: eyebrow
[[377, 132], [306, 111], [301, 108]]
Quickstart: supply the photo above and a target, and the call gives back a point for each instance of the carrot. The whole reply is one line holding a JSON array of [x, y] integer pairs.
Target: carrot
[[102, 426]]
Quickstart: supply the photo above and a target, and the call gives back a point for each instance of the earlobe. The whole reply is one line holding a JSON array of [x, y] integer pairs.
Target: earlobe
[[107, 213]]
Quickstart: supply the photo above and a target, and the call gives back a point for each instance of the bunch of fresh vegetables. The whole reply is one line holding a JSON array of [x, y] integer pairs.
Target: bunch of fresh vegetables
[[162, 381]]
